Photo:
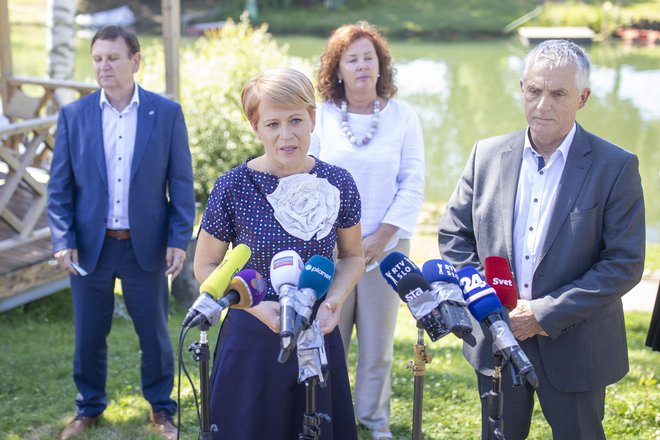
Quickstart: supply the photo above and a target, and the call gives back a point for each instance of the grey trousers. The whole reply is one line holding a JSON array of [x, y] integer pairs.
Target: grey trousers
[[572, 416], [372, 308]]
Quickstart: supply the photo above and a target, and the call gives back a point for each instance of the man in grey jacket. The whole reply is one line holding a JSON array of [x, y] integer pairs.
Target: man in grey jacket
[[566, 208]]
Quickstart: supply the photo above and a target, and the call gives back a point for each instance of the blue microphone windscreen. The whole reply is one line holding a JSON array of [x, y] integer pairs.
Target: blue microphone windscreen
[[440, 270], [395, 266], [479, 296], [317, 275]]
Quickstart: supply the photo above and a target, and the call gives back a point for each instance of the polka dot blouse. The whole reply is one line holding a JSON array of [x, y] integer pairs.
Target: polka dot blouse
[[237, 211]]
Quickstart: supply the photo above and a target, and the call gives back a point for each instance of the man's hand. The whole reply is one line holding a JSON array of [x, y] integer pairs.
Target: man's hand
[[523, 322], [174, 258], [65, 257]]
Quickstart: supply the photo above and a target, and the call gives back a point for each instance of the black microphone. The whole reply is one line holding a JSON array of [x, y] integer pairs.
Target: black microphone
[[422, 300], [415, 291], [486, 307], [444, 282]]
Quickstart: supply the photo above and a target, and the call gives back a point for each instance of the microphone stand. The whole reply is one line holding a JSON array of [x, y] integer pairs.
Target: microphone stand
[[418, 365], [495, 400], [312, 420], [201, 353]]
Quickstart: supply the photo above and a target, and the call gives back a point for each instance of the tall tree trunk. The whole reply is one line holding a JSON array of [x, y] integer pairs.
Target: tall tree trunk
[[61, 42]]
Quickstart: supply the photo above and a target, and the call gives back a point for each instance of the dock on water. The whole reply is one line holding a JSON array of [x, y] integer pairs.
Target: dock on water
[[532, 35]]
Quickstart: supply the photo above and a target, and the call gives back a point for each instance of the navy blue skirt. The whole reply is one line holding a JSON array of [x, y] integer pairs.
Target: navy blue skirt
[[254, 397]]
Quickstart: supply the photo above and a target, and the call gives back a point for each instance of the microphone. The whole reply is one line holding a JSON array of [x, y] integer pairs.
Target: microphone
[[500, 277], [486, 307], [285, 269], [415, 291], [395, 266], [216, 283], [313, 284], [407, 280], [444, 282], [247, 289]]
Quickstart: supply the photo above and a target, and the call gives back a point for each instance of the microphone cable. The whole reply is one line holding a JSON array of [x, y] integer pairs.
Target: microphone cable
[[183, 332]]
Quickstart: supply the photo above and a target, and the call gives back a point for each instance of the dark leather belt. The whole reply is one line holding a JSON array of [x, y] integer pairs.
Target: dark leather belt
[[118, 234]]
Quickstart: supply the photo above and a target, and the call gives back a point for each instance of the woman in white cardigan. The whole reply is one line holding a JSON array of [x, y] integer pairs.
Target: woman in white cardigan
[[378, 139]]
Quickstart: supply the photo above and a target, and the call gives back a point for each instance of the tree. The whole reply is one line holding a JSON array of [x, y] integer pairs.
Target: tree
[[60, 40]]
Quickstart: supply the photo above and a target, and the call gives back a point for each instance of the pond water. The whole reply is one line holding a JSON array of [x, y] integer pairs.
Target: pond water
[[465, 91]]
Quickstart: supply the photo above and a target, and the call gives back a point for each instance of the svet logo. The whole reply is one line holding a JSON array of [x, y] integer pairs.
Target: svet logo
[[500, 281]]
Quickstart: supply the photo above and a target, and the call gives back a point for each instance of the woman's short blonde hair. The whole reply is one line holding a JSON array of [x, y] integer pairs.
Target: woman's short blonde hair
[[285, 87]]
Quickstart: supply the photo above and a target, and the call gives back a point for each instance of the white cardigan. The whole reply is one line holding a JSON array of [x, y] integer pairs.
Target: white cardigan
[[388, 171]]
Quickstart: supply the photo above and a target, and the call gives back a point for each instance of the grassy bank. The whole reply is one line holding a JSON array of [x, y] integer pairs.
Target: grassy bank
[[37, 392]]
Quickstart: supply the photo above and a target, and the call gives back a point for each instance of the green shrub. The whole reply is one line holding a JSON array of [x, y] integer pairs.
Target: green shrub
[[572, 14], [213, 71], [603, 17]]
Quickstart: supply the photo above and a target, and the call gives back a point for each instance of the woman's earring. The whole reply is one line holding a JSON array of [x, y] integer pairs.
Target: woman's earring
[[340, 81]]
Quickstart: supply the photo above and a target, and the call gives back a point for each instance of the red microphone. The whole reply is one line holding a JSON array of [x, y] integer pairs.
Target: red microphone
[[500, 277]]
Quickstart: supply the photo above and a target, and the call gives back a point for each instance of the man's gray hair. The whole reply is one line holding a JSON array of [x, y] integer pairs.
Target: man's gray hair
[[553, 54]]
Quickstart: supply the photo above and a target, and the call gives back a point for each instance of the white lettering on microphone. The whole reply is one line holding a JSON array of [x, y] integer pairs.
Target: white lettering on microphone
[[413, 294], [498, 281], [399, 270], [319, 271]]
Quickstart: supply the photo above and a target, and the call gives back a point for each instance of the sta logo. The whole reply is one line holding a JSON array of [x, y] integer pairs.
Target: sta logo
[[413, 294]]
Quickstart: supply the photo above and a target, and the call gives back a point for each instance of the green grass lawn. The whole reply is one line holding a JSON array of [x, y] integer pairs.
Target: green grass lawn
[[37, 392]]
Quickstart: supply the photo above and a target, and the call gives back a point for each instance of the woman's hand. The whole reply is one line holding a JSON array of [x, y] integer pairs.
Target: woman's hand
[[328, 316], [267, 312], [374, 244]]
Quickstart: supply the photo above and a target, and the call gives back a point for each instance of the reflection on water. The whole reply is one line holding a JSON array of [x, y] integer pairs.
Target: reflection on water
[[471, 90], [642, 88]]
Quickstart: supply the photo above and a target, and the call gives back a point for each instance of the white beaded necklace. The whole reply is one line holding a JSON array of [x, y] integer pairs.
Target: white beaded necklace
[[372, 129]]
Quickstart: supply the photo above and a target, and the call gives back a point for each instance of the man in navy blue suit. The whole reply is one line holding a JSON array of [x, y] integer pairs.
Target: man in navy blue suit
[[121, 205]]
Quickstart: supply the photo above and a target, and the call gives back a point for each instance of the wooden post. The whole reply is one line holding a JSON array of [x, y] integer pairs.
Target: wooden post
[[5, 53], [171, 37]]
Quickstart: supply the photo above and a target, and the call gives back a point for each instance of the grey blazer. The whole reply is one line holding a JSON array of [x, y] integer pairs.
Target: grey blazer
[[592, 256]]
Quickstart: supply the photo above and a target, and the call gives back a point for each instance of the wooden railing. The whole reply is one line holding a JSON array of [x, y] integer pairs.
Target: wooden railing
[[23, 189], [24, 106], [26, 146]]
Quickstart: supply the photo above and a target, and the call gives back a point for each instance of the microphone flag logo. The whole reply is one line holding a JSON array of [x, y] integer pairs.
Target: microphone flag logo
[[286, 260]]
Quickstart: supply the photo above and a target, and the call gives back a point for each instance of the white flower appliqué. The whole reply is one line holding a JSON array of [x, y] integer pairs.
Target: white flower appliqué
[[305, 205]]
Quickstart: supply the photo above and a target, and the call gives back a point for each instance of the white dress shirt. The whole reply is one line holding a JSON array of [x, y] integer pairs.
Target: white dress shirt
[[119, 130], [388, 171], [535, 201]]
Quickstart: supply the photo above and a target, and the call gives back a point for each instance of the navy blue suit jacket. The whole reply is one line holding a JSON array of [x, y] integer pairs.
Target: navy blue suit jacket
[[161, 200]]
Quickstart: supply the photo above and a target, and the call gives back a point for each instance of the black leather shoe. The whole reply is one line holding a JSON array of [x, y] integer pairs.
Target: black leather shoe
[[164, 424], [79, 424]]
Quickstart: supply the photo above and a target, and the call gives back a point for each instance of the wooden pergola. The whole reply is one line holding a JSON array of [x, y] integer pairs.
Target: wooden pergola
[[26, 145]]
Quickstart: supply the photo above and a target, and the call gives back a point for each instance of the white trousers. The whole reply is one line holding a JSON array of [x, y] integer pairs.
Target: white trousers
[[372, 308]]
